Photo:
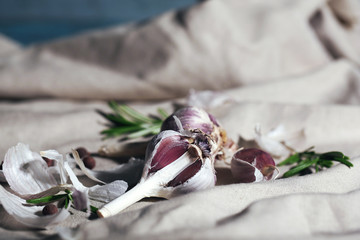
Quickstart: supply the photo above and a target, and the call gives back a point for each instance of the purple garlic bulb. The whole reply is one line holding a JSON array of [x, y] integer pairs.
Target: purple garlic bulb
[[252, 165], [192, 118], [175, 164]]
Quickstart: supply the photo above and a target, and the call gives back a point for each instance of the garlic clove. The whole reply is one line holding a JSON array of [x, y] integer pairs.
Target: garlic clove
[[187, 173], [167, 152], [252, 165], [244, 172], [175, 164], [205, 178]]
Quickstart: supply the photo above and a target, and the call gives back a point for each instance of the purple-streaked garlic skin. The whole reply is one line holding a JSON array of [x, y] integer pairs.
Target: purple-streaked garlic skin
[[153, 147], [195, 119], [185, 175], [190, 118], [213, 119], [168, 150], [204, 178], [169, 146], [252, 165]]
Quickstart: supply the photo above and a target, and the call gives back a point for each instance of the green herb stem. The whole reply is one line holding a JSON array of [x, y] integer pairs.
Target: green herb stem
[[93, 209], [129, 123], [309, 161], [47, 199]]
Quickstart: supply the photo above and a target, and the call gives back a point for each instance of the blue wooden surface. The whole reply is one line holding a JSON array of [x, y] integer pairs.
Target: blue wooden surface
[[33, 21]]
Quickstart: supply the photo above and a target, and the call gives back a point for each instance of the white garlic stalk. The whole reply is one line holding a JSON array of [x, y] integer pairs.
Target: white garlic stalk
[[175, 164]]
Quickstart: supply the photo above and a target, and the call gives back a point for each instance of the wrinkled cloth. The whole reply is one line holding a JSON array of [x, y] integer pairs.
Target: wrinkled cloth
[[294, 63]]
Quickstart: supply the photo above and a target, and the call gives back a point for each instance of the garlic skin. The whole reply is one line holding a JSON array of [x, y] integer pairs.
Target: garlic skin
[[29, 177], [175, 164], [208, 99], [279, 141], [193, 118], [169, 147], [253, 165]]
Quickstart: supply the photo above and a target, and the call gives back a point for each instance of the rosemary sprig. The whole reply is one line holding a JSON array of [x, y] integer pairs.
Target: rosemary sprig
[[128, 123], [67, 197], [309, 161], [47, 199]]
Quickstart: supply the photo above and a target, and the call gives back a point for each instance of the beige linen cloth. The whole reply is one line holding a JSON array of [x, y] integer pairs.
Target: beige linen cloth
[[288, 62]]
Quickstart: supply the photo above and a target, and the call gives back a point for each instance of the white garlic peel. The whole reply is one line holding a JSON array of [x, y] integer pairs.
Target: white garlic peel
[[279, 142], [25, 171], [27, 215], [29, 177], [207, 99]]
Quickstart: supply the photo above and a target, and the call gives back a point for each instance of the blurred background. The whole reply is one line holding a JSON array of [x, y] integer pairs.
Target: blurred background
[[36, 21]]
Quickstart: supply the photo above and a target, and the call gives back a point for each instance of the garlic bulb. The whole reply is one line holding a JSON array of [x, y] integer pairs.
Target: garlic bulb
[[191, 118], [252, 165], [175, 164]]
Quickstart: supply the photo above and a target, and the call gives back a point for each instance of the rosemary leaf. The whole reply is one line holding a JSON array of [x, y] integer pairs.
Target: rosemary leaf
[[162, 113], [93, 209], [152, 130], [129, 123], [46, 199], [343, 161], [136, 116], [118, 131], [332, 155], [325, 163], [117, 119], [309, 161], [299, 168], [66, 202], [290, 160]]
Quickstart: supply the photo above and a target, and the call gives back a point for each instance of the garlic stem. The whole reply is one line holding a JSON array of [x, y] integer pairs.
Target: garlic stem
[[153, 186], [135, 194]]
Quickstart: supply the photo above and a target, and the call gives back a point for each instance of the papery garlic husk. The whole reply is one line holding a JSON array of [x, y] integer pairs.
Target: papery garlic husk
[[26, 172], [253, 165], [29, 177], [28, 214], [208, 99], [191, 118], [279, 142], [175, 164]]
